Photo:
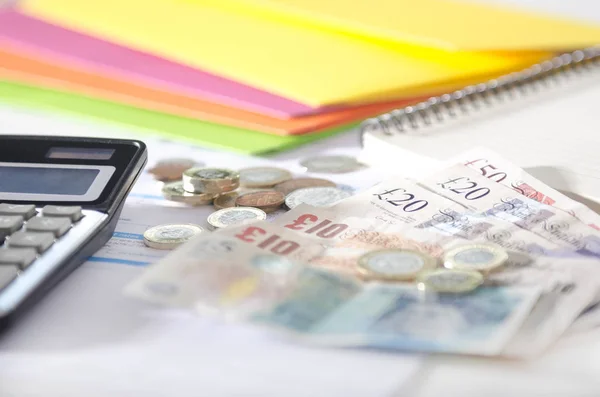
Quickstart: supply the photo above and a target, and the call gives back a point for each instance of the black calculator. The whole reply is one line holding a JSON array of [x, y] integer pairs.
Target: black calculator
[[60, 200]]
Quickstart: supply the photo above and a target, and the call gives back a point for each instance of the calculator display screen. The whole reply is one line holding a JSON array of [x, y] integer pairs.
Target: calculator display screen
[[53, 182], [80, 153], [37, 180]]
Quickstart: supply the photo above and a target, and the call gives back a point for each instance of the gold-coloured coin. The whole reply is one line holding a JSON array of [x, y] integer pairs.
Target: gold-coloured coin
[[174, 191], [449, 281], [394, 264], [167, 237], [210, 180], [225, 200]]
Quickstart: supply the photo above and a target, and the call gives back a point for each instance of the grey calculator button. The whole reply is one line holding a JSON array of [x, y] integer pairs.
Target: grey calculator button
[[39, 241], [25, 210], [10, 224], [7, 274], [57, 226], [59, 211], [21, 257]]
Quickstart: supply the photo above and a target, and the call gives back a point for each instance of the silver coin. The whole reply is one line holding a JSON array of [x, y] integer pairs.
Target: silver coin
[[263, 176], [394, 264], [235, 216], [168, 237], [449, 281], [315, 196], [480, 257], [331, 164]]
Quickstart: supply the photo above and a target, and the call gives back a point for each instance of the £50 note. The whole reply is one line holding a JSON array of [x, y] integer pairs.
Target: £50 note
[[500, 170], [480, 194]]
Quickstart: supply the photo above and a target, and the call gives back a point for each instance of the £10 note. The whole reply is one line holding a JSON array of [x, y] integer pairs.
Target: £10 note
[[229, 273]]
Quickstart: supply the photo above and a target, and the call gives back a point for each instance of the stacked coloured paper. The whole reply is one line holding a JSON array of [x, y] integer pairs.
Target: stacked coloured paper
[[261, 75]]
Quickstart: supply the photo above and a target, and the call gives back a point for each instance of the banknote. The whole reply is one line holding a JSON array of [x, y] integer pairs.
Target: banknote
[[482, 195], [498, 169], [400, 317], [567, 279], [348, 237], [230, 272], [399, 202]]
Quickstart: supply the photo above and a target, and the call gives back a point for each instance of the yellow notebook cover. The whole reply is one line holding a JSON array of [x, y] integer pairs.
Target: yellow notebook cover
[[444, 24], [307, 65]]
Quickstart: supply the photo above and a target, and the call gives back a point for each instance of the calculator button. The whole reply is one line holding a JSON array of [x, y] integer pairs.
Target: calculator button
[[10, 224], [39, 241], [58, 226], [21, 257], [25, 210], [58, 211], [7, 274]]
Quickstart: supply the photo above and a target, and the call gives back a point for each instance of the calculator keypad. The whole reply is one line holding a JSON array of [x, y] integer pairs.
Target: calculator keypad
[[7, 275], [39, 241], [10, 224], [21, 257], [56, 226], [25, 210], [25, 235], [73, 213]]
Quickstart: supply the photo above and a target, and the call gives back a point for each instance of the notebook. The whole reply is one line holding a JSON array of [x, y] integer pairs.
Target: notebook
[[310, 66], [545, 119], [121, 62], [443, 24], [32, 69], [209, 135]]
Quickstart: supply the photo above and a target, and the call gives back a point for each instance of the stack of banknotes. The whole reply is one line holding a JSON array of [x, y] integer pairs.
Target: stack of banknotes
[[301, 273]]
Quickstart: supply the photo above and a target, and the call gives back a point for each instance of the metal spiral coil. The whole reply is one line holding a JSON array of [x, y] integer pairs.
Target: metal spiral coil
[[475, 97]]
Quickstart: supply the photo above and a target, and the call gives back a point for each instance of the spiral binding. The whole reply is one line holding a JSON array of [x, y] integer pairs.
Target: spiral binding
[[476, 97]]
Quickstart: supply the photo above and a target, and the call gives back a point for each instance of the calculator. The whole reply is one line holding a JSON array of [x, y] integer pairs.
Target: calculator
[[60, 199]]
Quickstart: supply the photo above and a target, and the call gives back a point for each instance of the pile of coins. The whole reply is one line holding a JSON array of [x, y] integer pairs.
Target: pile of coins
[[463, 268], [250, 193]]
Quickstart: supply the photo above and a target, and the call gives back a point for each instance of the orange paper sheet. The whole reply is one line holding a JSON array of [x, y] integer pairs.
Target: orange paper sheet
[[33, 69]]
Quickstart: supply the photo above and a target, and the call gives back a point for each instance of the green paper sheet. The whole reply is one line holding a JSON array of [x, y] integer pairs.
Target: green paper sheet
[[206, 134]]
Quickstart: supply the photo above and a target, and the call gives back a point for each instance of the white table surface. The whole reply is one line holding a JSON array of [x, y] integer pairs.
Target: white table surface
[[113, 351]]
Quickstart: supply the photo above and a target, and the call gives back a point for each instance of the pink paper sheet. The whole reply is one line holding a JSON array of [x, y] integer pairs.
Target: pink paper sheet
[[114, 60]]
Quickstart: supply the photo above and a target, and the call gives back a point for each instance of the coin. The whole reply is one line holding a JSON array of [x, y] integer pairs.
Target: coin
[[394, 264], [480, 257], [171, 169], [225, 200], [174, 191], [268, 201], [166, 237], [235, 216], [331, 164], [315, 196], [263, 176], [210, 180], [449, 280], [300, 183]]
